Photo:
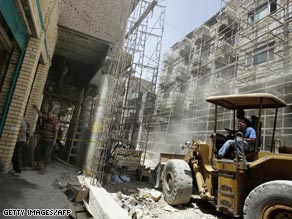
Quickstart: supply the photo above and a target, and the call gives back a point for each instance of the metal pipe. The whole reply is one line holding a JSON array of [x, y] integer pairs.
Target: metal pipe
[[274, 129], [214, 138], [234, 119], [143, 16], [215, 119], [259, 124]]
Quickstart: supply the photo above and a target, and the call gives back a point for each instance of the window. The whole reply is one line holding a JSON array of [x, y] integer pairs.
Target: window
[[262, 11], [258, 14], [260, 55], [273, 6], [289, 12]]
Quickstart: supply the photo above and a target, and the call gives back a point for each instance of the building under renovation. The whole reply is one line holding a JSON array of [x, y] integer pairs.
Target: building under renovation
[[97, 64], [244, 48]]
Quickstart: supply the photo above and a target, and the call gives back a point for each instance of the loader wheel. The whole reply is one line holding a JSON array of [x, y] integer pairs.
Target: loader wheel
[[156, 177], [271, 200], [177, 182]]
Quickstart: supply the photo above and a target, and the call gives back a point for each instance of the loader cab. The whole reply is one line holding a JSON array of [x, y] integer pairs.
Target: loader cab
[[256, 101]]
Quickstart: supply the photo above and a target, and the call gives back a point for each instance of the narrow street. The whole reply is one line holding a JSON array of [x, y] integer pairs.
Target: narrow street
[[36, 191], [192, 96]]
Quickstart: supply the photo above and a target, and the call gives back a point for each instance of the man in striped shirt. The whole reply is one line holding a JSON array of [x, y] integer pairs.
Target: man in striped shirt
[[49, 132]]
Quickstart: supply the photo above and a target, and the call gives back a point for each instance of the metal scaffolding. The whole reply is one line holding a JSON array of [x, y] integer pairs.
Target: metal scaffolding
[[244, 48], [133, 83]]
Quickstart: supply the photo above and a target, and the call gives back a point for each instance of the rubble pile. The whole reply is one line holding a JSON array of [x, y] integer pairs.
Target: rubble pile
[[77, 193], [141, 201], [138, 199]]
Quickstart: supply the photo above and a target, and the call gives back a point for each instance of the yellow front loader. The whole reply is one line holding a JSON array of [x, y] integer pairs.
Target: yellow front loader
[[258, 186]]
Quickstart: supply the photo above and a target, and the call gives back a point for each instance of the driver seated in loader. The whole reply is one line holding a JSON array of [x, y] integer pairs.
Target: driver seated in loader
[[246, 137], [240, 115], [221, 139]]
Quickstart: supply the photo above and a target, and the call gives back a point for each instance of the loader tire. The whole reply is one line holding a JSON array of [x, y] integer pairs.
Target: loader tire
[[271, 200], [156, 177], [177, 182]]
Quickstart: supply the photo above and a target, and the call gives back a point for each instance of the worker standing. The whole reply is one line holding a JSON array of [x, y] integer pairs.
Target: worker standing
[[49, 131]]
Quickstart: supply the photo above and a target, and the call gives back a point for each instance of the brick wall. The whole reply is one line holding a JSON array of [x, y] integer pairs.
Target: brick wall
[[7, 81], [19, 101], [36, 93], [5, 89], [40, 80], [50, 23], [103, 19]]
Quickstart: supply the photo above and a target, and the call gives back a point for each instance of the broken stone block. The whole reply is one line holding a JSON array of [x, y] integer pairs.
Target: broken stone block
[[155, 195], [80, 193]]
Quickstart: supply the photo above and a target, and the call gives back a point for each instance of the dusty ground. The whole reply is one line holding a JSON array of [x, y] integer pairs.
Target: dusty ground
[[134, 195], [34, 191]]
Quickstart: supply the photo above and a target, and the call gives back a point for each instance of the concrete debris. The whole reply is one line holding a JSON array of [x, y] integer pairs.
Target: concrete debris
[[80, 194], [136, 213], [119, 195], [73, 180], [143, 194], [75, 189], [139, 201], [170, 208], [136, 198], [77, 193], [156, 195], [102, 204]]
